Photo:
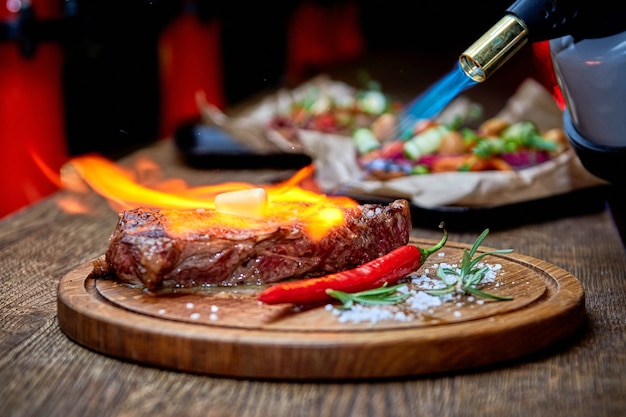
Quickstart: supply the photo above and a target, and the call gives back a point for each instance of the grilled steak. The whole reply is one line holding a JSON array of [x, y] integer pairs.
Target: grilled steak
[[161, 249]]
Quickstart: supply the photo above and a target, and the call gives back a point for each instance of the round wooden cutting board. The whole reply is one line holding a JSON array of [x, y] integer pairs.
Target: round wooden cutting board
[[227, 332]]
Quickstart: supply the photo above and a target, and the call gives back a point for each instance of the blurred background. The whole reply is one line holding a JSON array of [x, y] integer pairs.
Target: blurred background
[[81, 76]]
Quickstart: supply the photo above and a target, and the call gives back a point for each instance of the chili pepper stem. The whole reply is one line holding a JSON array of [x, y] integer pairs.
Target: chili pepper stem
[[429, 251]]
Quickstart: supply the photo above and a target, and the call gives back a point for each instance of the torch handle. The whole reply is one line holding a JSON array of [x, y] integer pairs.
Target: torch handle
[[550, 19]]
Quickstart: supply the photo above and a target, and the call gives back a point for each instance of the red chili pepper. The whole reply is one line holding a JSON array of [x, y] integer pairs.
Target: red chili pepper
[[388, 269]]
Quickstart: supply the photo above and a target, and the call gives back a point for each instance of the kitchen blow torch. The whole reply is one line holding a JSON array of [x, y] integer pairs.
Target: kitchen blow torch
[[588, 49]]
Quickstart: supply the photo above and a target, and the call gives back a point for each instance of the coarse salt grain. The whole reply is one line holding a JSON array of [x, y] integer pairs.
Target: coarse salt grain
[[189, 306], [424, 281], [419, 300], [371, 314], [194, 316]]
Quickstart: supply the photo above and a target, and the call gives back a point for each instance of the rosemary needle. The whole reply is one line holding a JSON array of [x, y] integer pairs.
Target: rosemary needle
[[377, 296], [469, 275]]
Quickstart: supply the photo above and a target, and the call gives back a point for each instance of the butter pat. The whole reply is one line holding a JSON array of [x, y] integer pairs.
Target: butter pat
[[246, 203]]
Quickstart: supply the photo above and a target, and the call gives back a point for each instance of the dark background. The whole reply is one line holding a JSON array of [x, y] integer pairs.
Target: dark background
[[111, 67]]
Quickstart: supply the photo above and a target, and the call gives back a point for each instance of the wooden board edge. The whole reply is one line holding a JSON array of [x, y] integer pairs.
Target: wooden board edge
[[272, 355]]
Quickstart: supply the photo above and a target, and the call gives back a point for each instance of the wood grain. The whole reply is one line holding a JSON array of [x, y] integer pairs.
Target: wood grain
[[228, 333]]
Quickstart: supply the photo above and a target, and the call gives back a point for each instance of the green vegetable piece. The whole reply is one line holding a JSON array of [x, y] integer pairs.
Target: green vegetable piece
[[521, 132], [419, 169], [373, 102], [487, 147], [365, 140], [425, 143], [527, 134], [311, 96]]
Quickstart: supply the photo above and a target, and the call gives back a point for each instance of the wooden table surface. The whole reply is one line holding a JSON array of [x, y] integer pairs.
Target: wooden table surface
[[43, 372]]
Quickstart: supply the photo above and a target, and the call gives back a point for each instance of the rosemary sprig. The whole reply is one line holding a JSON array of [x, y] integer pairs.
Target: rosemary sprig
[[377, 296], [469, 275]]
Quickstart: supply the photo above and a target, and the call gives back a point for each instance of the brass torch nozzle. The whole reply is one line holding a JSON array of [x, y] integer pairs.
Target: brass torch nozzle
[[494, 48]]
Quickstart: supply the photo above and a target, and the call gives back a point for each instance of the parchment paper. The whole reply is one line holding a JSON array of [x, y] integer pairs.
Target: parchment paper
[[251, 128], [337, 169]]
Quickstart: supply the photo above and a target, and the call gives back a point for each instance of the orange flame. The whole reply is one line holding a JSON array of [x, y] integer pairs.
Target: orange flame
[[287, 200]]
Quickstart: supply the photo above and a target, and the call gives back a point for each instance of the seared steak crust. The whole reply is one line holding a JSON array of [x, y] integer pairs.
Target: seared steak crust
[[180, 248]]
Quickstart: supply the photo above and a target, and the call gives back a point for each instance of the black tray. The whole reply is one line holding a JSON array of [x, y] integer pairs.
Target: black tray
[[206, 147], [589, 200]]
